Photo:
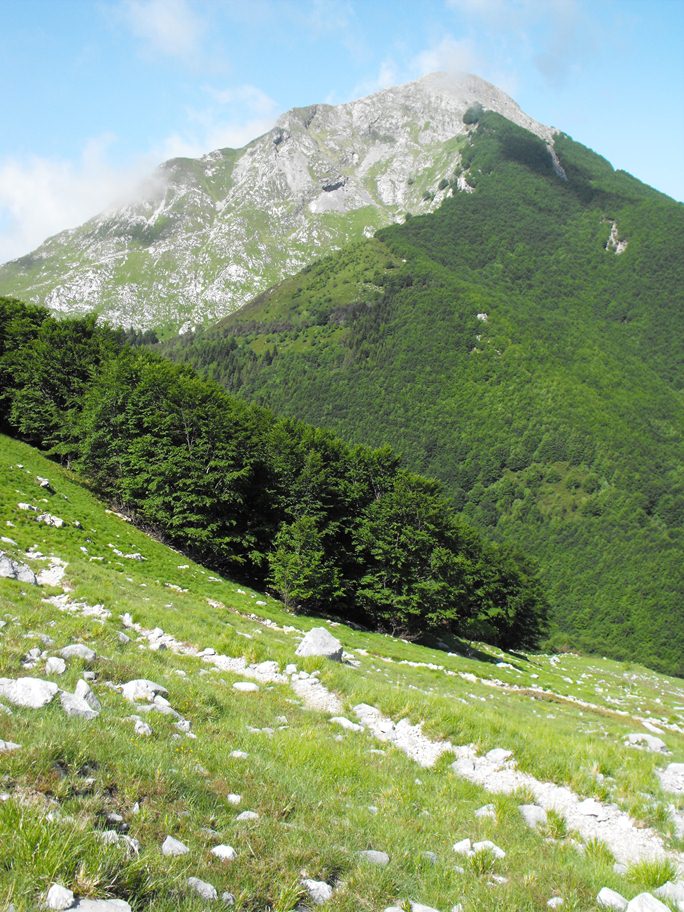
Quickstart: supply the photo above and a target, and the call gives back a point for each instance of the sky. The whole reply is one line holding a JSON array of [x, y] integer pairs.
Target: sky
[[96, 93]]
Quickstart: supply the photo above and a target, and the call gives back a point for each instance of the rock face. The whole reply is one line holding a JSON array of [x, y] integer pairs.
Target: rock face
[[319, 642], [15, 570], [195, 246]]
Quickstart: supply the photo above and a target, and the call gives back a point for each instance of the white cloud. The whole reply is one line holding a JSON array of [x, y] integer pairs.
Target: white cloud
[[449, 55], [233, 117], [170, 27], [553, 34], [41, 196]]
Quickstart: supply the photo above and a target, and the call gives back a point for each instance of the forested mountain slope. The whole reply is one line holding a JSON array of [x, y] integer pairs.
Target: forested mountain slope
[[523, 344]]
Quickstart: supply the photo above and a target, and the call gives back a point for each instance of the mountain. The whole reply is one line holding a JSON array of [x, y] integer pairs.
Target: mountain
[[162, 734], [208, 234], [523, 344]]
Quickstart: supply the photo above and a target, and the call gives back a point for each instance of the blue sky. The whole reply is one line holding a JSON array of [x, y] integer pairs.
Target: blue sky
[[96, 92]]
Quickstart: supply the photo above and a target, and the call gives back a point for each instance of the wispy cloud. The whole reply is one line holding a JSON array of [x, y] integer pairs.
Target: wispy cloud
[[449, 54], [169, 27], [41, 196], [231, 118], [555, 35]]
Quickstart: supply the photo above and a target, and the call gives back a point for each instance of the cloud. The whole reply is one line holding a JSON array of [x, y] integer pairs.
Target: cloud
[[450, 55], [41, 196], [554, 35], [232, 117], [169, 27]]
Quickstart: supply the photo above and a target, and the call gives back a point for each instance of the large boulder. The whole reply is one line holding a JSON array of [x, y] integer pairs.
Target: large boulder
[[319, 642], [32, 693], [15, 570]]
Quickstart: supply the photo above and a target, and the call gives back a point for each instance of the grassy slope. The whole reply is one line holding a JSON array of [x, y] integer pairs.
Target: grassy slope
[[557, 424], [311, 786]]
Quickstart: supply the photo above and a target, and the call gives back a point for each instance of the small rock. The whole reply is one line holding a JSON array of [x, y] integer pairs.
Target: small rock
[[239, 755], [100, 905], [533, 815], [644, 902], [373, 857], [346, 723], [15, 570], [228, 898], [7, 746], [488, 846], [75, 705], [224, 852], [464, 847], [488, 810], [78, 651], [499, 755], [248, 815], [59, 897], [122, 637], [55, 666], [172, 847], [202, 888], [233, 799], [610, 899], [555, 902], [245, 686], [650, 742], [319, 642], [672, 892], [142, 728], [50, 520], [318, 890], [141, 689]]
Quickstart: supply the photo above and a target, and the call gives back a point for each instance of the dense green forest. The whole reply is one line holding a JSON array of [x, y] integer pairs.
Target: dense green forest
[[331, 527], [503, 345]]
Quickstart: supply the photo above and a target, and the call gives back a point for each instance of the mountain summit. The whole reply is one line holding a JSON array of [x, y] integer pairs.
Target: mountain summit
[[210, 233]]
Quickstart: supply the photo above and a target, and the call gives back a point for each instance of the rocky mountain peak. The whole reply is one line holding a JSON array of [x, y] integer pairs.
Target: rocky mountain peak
[[209, 234]]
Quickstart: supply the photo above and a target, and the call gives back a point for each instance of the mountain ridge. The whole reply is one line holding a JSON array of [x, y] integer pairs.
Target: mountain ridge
[[213, 232]]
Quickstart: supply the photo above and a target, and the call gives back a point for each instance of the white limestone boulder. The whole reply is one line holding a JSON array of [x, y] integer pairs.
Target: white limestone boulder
[[320, 642]]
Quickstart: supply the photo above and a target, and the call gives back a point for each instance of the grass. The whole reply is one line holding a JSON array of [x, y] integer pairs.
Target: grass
[[312, 784]]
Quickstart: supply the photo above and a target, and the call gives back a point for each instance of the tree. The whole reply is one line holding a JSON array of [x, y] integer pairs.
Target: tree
[[300, 572]]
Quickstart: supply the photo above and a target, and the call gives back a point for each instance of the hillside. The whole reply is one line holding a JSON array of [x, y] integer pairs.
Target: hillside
[[206, 235], [182, 710], [523, 344]]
